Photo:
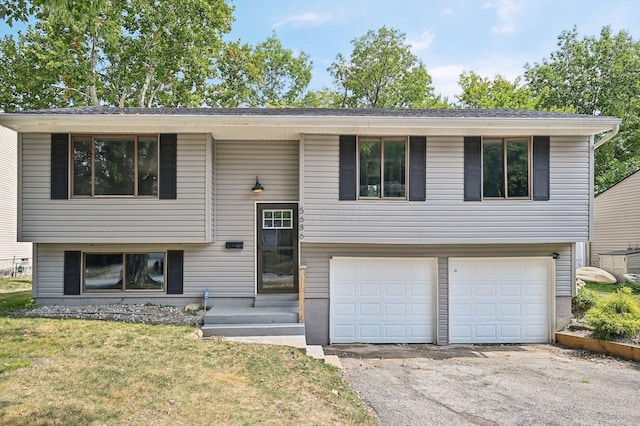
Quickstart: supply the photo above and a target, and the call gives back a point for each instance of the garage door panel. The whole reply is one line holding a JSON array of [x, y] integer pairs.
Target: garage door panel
[[344, 330], [420, 309], [499, 300], [349, 289], [484, 290], [392, 304], [369, 289], [513, 331], [486, 331], [345, 309], [395, 309], [460, 309], [370, 309], [510, 310]]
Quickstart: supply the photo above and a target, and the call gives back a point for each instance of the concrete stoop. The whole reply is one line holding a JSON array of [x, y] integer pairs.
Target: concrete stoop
[[272, 320]]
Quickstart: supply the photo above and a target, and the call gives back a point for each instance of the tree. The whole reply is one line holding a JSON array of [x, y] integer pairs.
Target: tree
[[265, 75], [479, 92], [596, 75], [383, 73], [112, 52], [321, 98]]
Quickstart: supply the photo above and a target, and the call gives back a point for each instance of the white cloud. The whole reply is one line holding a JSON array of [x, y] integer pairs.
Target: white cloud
[[445, 80], [305, 19], [447, 12], [445, 77], [421, 42], [508, 15]]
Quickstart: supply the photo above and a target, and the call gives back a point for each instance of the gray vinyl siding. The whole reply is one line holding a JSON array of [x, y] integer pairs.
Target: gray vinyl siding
[[444, 218], [616, 218], [9, 245], [237, 163], [225, 272], [316, 257], [115, 219]]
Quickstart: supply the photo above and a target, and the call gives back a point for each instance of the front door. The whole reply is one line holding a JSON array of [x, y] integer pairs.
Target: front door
[[277, 248]]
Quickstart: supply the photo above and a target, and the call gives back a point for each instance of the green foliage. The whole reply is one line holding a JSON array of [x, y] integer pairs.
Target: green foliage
[[479, 92], [141, 53], [322, 98], [617, 316], [266, 75], [584, 300], [596, 75], [113, 52], [383, 73]]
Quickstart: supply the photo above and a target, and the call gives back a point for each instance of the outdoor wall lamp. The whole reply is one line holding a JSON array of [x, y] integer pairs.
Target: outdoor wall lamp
[[257, 188]]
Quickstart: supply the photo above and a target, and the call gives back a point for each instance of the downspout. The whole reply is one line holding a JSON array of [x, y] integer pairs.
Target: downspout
[[607, 138]]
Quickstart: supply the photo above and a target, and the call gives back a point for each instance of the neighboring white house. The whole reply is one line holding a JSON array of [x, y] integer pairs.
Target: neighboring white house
[[13, 255], [394, 226]]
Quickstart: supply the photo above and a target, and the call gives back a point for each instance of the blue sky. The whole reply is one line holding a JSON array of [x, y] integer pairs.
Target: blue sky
[[450, 36]]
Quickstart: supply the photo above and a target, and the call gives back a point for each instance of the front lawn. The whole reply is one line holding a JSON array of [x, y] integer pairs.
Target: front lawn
[[61, 372], [15, 294]]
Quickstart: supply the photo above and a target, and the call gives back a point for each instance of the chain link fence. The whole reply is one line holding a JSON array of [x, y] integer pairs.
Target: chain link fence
[[16, 267]]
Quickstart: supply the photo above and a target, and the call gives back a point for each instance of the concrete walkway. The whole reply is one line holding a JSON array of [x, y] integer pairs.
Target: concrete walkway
[[298, 342]]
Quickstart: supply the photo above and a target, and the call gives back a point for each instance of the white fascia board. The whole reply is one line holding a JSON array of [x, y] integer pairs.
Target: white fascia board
[[261, 127]]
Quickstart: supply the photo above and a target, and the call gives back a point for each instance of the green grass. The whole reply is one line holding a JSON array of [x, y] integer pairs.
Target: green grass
[[15, 295], [59, 372], [9, 285], [607, 290]]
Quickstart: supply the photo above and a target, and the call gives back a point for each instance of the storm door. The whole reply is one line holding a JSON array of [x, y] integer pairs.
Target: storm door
[[277, 248]]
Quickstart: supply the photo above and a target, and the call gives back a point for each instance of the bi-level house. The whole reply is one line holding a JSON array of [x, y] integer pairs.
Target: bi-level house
[[439, 226]]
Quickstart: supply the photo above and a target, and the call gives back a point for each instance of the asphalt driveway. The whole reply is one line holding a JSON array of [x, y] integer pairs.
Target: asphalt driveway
[[492, 385]]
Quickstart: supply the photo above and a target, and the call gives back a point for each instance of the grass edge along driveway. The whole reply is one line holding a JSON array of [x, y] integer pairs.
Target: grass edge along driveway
[[56, 371]]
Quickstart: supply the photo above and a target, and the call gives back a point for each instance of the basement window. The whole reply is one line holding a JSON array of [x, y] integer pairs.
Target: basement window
[[124, 271]]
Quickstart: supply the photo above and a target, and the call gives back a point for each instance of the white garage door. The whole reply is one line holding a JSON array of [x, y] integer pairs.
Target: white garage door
[[499, 300], [382, 300]]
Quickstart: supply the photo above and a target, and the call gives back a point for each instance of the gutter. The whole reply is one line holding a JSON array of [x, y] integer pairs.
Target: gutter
[[608, 137]]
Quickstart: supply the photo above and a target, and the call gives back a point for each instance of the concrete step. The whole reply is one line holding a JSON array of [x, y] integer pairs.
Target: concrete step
[[251, 315], [239, 330], [276, 300]]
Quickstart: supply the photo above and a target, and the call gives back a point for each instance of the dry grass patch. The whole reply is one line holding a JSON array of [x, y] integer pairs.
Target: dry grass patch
[[93, 372]]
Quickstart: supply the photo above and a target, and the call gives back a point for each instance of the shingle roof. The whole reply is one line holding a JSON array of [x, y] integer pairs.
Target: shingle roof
[[311, 112]]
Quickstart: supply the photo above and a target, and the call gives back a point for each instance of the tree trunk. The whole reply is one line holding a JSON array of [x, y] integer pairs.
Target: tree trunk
[[138, 271]]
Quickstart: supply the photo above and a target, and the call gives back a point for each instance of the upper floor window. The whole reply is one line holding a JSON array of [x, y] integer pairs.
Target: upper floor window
[[382, 167], [506, 167], [114, 165]]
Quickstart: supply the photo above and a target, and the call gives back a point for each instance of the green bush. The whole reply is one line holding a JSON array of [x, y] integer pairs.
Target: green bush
[[583, 301], [617, 316]]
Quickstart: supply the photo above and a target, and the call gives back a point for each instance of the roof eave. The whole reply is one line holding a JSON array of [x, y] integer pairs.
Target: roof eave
[[290, 127]]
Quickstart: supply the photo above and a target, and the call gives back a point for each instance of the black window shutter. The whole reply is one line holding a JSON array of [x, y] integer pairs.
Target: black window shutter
[[473, 168], [417, 168], [541, 160], [72, 272], [168, 166], [175, 268], [59, 166], [347, 175]]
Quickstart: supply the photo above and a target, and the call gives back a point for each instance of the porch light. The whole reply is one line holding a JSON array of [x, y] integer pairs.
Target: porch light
[[257, 188]]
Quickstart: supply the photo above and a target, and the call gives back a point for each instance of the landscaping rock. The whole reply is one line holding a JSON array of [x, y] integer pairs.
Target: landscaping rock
[[149, 314]]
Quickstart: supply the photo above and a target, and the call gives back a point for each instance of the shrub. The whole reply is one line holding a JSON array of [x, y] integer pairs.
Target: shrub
[[617, 316], [583, 301]]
